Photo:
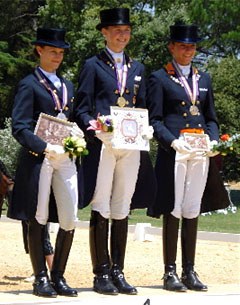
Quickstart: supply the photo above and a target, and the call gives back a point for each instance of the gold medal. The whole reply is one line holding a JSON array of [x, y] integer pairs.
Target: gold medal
[[194, 110], [121, 102]]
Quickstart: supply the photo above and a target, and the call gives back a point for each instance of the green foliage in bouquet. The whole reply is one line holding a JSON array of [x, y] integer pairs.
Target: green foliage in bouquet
[[75, 147], [228, 145]]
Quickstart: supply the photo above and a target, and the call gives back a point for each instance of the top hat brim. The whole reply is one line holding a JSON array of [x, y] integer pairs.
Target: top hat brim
[[104, 25], [60, 44], [186, 40]]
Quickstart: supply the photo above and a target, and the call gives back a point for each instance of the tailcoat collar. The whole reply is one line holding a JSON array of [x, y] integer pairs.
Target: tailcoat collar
[[109, 61]]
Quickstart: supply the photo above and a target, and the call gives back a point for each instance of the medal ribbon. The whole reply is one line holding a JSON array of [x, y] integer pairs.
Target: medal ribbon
[[121, 78], [60, 106], [192, 94], [121, 74]]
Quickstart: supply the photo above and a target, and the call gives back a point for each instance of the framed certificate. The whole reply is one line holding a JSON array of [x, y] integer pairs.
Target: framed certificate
[[52, 129], [129, 124], [198, 142]]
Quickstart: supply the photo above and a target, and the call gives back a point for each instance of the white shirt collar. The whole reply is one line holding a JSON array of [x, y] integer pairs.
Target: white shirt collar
[[118, 57], [52, 77], [185, 69]]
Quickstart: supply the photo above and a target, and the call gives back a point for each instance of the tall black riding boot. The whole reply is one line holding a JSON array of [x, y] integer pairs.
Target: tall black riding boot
[[41, 286], [188, 241], [171, 280], [62, 249], [118, 241], [100, 255]]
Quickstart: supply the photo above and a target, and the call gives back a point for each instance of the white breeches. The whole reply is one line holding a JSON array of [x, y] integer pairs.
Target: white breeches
[[116, 181], [191, 173], [62, 176]]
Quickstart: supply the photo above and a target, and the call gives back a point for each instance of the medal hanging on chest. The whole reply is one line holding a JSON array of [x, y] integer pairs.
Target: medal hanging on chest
[[121, 75], [61, 116], [121, 81], [194, 110], [121, 102], [192, 94], [58, 104]]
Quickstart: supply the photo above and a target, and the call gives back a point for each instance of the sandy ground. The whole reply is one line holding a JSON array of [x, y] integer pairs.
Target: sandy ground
[[216, 262]]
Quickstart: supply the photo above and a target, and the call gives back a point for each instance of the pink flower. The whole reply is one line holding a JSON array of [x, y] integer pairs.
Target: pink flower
[[103, 123], [94, 125]]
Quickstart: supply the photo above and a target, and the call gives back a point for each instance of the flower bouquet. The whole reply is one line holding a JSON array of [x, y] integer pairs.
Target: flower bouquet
[[75, 146], [102, 123], [228, 144]]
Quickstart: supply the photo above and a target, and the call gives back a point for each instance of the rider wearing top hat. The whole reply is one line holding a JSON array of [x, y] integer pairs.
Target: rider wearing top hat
[[111, 78], [181, 109], [44, 166]]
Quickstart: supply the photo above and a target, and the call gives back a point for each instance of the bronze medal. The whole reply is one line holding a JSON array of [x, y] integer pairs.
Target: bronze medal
[[194, 110], [121, 102]]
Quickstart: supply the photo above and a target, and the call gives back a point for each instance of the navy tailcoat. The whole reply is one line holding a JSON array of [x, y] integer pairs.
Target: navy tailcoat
[[168, 106], [97, 91], [31, 99]]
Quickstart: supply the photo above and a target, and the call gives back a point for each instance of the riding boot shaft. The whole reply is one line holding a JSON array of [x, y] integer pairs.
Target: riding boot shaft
[[188, 242], [99, 243], [35, 238], [170, 239], [118, 242], [62, 249]]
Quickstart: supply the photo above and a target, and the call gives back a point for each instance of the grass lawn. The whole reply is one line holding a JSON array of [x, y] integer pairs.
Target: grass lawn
[[229, 223]]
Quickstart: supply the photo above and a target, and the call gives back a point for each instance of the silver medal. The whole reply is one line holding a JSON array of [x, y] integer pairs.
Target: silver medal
[[62, 116]]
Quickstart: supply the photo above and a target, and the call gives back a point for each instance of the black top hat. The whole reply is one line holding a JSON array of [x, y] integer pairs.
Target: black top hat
[[184, 33], [51, 37], [114, 16]]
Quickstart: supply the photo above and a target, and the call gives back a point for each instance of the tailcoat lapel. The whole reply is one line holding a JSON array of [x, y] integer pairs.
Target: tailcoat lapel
[[106, 64]]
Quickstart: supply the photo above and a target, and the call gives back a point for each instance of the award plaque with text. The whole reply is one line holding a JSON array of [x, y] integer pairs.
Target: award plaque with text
[[52, 129], [129, 125]]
